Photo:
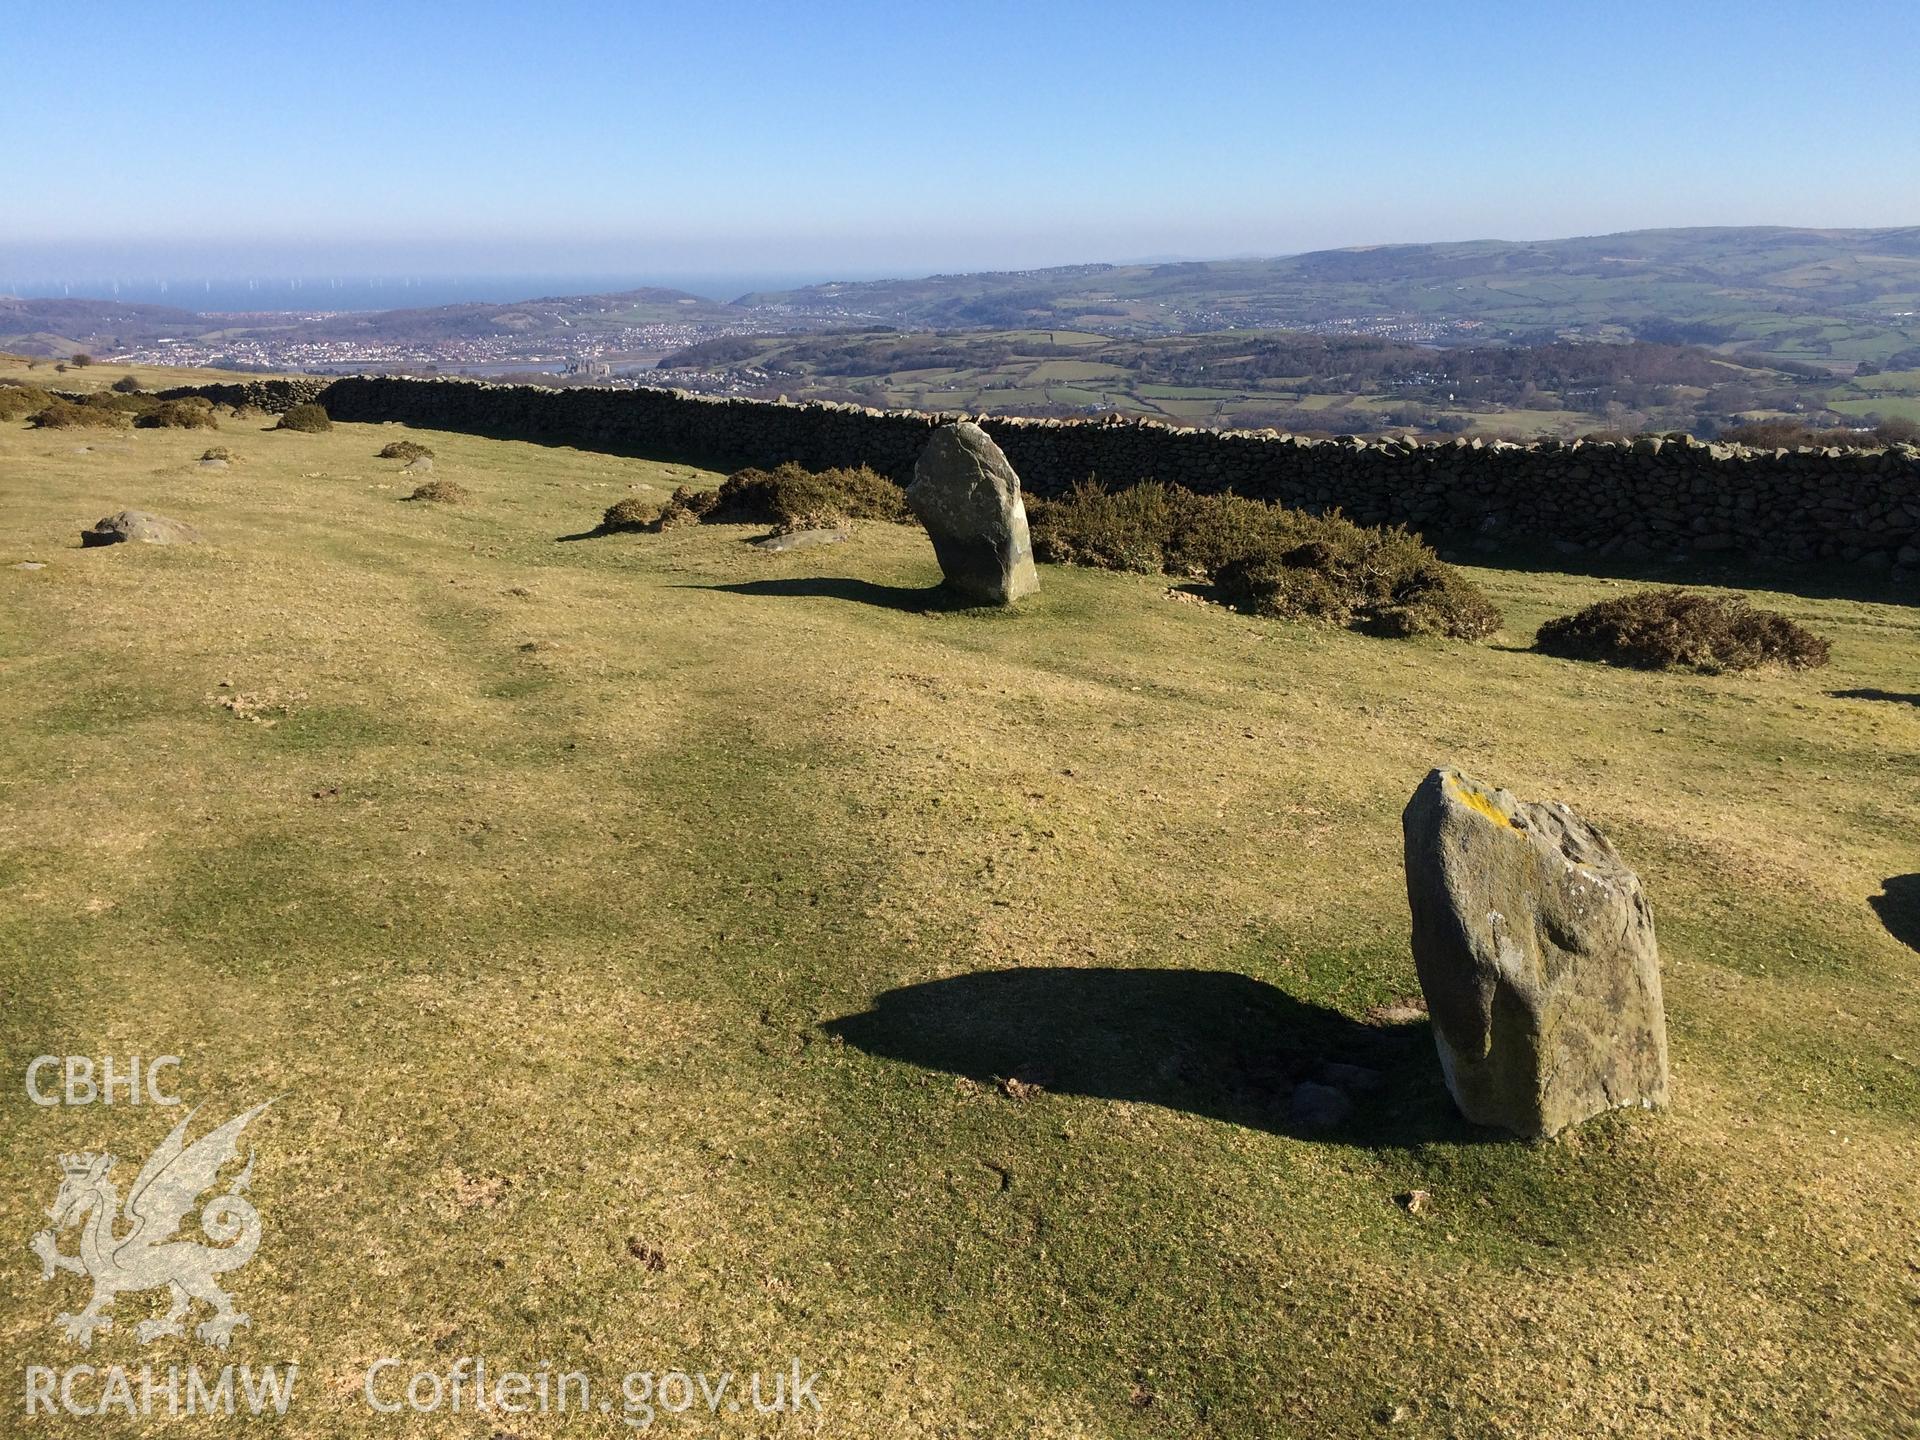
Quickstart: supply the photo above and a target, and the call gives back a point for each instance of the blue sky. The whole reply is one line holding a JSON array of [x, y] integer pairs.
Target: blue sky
[[865, 138]]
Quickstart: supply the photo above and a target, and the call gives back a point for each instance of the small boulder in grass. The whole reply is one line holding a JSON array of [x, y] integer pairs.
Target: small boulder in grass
[[140, 527], [800, 540], [442, 492]]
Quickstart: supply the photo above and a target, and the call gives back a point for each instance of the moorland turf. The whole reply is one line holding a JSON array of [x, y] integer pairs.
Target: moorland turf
[[655, 896]]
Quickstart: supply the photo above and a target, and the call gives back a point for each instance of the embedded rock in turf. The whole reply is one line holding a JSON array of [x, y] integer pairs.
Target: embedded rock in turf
[[139, 526], [800, 540]]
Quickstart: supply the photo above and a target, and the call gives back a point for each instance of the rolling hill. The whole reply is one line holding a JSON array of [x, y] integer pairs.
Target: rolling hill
[[61, 327], [1830, 296]]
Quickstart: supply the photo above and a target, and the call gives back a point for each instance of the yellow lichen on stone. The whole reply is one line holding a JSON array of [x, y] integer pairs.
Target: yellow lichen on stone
[[1476, 799]]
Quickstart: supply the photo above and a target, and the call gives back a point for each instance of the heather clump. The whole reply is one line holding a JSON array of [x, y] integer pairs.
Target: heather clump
[[1266, 559], [1683, 630]]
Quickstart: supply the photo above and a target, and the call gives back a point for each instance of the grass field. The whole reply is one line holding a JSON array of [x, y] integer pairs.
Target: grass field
[[87, 378], [1905, 407], [1222, 380], [654, 946]]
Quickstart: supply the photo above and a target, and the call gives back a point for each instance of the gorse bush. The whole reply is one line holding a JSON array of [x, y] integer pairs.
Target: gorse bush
[[443, 492], [686, 506], [216, 452], [65, 415], [1266, 559], [789, 498], [190, 414], [1384, 580], [1682, 629], [632, 513], [128, 385], [1144, 528], [19, 400], [404, 450], [309, 417], [137, 404]]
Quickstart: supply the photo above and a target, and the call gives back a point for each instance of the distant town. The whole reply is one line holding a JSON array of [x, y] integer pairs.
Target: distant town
[[608, 356]]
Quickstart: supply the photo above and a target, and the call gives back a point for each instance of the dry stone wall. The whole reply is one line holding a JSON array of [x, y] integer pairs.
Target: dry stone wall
[[1649, 498], [274, 395]]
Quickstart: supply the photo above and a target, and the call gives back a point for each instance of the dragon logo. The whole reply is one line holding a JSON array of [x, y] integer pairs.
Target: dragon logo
[[151, 1254]]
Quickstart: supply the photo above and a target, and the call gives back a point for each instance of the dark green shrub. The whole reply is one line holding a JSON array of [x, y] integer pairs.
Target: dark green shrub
[[443, 492], [686, 506], [798, 499], [190, 414], [1131, 529], [1215, 531], [217, 452], [83, 359], [19, 400], [125, 404], [1152, 527], [404, 450], [65, 415], [1385, 580], [309, 417], [789, 498], [632, 513], [1683, 629], [1266, 559], [128, 385]]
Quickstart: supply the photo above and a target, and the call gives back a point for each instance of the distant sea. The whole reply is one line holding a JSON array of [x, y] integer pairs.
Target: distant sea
[[381, 292]]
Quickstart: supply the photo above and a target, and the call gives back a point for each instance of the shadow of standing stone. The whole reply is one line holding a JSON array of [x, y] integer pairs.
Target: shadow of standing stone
[[1899, 908], [1212, 1043]]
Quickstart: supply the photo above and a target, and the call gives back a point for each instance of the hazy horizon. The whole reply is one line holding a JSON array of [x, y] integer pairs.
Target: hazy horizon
[[208, 288], [242, 293], [853, 141]]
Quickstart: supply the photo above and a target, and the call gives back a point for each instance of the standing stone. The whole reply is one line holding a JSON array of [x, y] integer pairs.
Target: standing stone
[[139, 526], [968, 497], [1535, 949]]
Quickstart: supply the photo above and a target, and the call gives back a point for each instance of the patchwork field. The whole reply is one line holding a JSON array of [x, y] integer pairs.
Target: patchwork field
[[1252, 379], [662, 954]]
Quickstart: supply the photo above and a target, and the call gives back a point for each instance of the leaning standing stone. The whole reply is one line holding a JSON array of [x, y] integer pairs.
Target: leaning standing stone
[[1535, 949], [968, 497]]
